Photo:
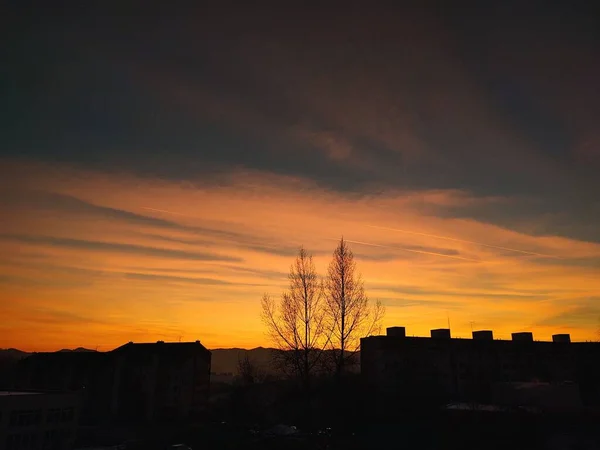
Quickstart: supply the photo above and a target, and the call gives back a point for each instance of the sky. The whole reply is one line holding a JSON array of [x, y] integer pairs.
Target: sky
[[160, 167]]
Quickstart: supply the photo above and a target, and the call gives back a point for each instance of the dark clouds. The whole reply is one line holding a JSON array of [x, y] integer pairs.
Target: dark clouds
[[501, 100]]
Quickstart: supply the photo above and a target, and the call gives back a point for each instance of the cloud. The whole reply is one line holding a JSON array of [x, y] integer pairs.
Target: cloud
[[43, 282], [425, 101], [417, 249], [57, 317], [383, 257], [79, 244], [450, 253], [180, 279], [415, 291], [580, 314], [41, 200]]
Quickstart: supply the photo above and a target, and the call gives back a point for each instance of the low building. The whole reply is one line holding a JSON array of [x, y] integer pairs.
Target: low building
[[91, 374], [32, 420], [134, 382], [442, 368], [160, 381]]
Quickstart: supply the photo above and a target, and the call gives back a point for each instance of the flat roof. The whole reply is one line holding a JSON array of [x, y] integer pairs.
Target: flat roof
[[7, 393]]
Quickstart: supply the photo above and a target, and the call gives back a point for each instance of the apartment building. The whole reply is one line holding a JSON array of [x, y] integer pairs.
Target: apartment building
[[440, 367], [132, 383]]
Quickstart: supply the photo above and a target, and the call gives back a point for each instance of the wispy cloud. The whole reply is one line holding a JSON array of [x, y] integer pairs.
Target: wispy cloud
[[465, 241], [412, 250], [85, 245]]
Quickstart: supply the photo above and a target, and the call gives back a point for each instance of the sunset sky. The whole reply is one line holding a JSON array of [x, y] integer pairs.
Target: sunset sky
[[160, 168]]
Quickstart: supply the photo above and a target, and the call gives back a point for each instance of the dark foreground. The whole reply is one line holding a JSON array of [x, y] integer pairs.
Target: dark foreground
[[433, 431]]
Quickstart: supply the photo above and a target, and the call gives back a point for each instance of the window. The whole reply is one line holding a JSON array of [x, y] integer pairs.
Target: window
[[22, 441], [49, 438], [53, 415], [10, 442], [25, 418], [25, 439], [67, 415], [33, 441]]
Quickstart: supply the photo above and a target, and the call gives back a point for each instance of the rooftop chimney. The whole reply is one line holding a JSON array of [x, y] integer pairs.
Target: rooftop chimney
[[561, 338], [441, 333], [524, 336], [483, 335], [396, 331]]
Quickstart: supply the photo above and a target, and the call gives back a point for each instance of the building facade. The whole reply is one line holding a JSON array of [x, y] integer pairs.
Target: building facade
[[160, 381], [132, 383], [442, 368], [91, 374], [32, 420]]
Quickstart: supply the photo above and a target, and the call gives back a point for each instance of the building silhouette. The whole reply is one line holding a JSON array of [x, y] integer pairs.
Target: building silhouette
[[160, 381], [440, 368], [90, 374], [132, 383]]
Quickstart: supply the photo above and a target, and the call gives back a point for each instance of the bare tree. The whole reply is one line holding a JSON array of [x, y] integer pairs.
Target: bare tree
[[350, 316], [296, 324], [248, 370]]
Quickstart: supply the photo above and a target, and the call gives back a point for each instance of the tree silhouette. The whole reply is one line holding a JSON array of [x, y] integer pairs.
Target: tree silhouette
[[248, 371], [296, 324], [349, 314]]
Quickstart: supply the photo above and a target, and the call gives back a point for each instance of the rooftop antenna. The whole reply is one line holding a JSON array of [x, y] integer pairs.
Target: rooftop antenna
[[448, 317], [471, 322]]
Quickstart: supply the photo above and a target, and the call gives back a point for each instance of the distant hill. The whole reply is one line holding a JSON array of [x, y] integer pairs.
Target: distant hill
[[225, 360], [9, 357], [12, 353], [78, 349]]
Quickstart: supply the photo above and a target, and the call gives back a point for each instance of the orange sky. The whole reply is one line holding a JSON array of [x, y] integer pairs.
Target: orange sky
[[96, 260]]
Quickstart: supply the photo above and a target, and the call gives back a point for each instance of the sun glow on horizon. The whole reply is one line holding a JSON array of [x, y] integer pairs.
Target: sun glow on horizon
[[83, 264]]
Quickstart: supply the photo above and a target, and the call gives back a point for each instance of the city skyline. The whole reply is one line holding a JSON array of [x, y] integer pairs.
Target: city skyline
[[159, 176]]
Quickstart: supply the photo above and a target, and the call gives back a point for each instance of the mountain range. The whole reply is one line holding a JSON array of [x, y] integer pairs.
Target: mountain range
[[224, 360]]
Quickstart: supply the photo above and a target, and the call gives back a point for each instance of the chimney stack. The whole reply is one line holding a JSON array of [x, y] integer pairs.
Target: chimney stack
[[561, 338], [483, 335], [396, 331], [524, 336], [441, 333]]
